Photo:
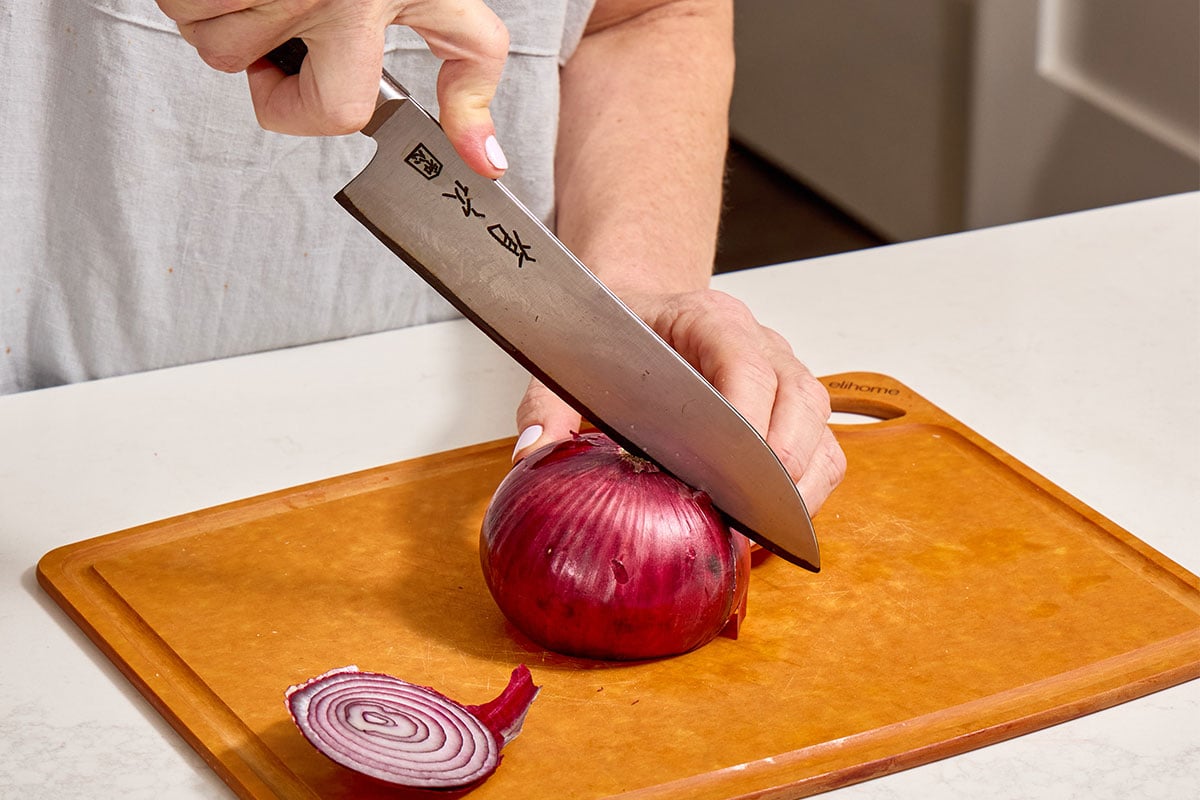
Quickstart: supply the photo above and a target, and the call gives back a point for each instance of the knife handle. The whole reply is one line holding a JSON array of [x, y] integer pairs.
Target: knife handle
[[289, 56]]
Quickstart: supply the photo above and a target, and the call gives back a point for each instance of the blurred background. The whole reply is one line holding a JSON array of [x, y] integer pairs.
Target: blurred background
[[862, 122]]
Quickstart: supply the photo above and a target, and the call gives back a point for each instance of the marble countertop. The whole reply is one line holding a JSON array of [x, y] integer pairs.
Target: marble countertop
[[1071, 342]]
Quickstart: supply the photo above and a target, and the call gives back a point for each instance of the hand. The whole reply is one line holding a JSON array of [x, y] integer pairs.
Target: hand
[[336, 89], [751, 365]]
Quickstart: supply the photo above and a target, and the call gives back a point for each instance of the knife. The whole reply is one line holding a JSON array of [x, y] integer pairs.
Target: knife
[[478, 246]]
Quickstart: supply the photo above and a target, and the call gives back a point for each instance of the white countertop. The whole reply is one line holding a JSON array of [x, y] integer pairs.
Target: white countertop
[[1073, 343]]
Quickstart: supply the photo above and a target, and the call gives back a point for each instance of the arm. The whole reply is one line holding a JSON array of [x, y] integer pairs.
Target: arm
[[640, 169], [641, 149]]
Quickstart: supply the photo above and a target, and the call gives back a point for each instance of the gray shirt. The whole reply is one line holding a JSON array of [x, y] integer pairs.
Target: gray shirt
[[146, 221]]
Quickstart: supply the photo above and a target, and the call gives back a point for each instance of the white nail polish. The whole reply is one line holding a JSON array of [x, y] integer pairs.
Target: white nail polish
[[494, 153], [527, 437]]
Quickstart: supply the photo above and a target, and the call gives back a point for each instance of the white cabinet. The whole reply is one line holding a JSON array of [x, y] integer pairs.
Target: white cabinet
[[922, 117]]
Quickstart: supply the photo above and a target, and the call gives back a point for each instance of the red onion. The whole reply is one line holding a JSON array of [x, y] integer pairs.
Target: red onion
[[591, 551], [405, 734]]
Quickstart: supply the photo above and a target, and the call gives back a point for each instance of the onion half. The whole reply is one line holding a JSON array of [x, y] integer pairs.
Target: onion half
[[404, 734], [593, 552]]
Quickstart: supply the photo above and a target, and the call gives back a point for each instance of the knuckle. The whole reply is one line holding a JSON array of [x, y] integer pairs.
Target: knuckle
[[810, 392], [824, 474], [813, 394], [724, 304], [495, 45], [776, 341], [716, 311], [791, 459], [489, 34], [818, 397], [752, 372], [836, 460], [220, 59], [344, 118]]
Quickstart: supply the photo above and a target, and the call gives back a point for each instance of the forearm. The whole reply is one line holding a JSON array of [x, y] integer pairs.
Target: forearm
[[642, 143]]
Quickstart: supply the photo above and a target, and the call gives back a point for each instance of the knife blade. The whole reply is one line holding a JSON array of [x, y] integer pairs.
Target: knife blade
[[494, 261]]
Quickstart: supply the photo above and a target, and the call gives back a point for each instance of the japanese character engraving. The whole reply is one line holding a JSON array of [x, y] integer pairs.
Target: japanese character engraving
[[512, 243], [424, 162], [462, 194]]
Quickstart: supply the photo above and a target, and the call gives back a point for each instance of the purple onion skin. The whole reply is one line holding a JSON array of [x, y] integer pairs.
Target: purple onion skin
[[594, 553], [402, 734]]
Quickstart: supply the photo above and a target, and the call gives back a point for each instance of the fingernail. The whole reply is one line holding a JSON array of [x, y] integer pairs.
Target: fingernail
[[527, 437], [494, 153]]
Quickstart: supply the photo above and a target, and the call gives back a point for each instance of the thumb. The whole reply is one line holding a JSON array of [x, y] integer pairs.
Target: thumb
[[473, 46], [542, 418]]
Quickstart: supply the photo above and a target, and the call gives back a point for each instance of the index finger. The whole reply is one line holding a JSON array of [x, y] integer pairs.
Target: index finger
[[334, 92]]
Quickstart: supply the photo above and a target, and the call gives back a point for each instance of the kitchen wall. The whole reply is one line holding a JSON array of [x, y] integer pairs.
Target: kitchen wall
[[923, 117]]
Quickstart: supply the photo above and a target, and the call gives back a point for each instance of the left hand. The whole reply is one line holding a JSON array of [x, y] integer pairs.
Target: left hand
[[751, 365]]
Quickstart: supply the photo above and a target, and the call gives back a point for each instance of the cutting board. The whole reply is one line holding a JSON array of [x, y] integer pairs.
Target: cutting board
[[963, 599]]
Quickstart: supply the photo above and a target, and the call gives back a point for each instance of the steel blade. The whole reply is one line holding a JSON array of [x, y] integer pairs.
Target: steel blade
[[474, 242]]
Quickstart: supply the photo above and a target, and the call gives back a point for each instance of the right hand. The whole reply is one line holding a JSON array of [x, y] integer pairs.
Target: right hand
[[336, 89], [751, 365]]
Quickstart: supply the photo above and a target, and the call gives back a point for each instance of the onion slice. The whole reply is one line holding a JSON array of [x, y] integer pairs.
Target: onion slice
[[404, 734]]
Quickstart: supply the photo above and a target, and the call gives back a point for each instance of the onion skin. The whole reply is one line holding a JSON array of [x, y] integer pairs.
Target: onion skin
[[408, 735], [592, 552]]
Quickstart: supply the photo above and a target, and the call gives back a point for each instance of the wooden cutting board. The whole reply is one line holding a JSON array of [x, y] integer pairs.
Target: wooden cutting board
[[963, 600]]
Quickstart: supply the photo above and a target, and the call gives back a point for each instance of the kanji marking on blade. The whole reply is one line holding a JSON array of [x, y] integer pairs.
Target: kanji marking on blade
[[424, 162], [512, 243], [462, 194]]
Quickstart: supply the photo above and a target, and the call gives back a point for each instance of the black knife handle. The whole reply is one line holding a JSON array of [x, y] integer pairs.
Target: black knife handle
[[289, 56]]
